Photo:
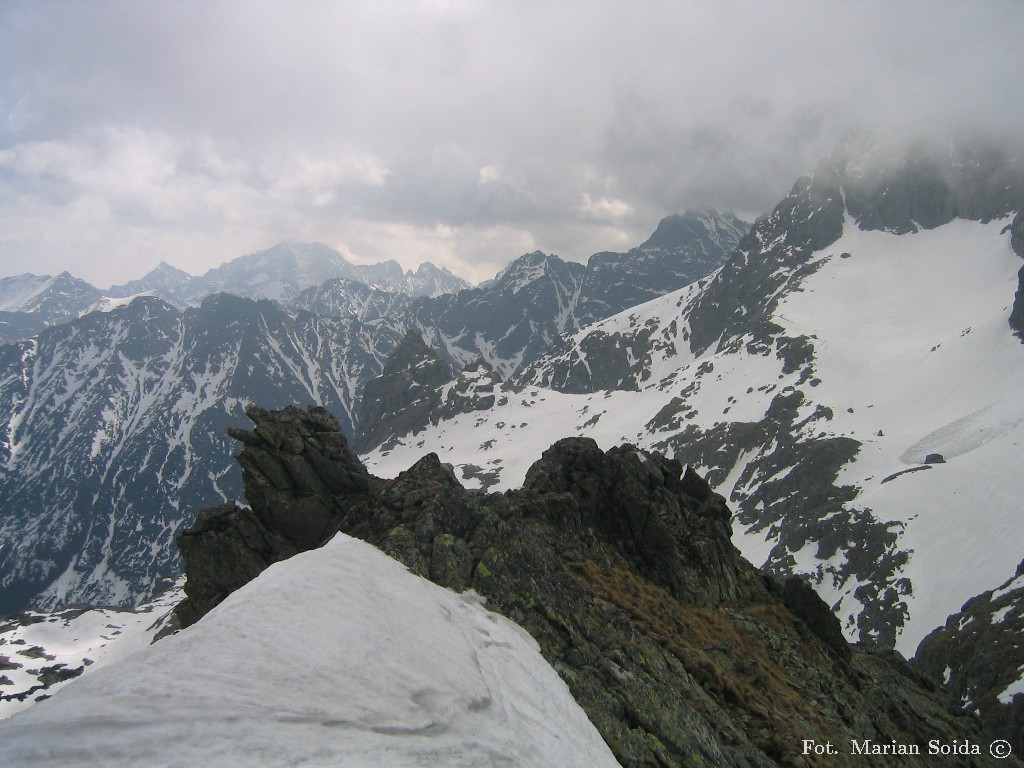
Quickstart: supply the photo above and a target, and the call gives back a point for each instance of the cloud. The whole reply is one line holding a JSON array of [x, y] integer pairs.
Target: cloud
[[489, 174], [605, 209], [135, 132]]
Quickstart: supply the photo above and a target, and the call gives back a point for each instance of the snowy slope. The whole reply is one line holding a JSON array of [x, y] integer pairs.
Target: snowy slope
[[107, 303], [40, 653], [507, 439], [911, 355], [18, 291], [947, 382], [50, 299], [338, 656]]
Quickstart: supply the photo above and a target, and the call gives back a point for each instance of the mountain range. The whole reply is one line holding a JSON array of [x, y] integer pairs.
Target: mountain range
[[361, 600], [29, 303], [282, 272], [113, 425]]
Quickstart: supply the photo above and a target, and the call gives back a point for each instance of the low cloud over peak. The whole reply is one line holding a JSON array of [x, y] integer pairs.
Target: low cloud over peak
[[463, 133]]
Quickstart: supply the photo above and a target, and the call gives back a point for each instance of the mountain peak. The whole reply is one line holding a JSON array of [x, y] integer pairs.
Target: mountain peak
[[404, 395], [427, 268], [163, 268], [679, 228], [410, 352], [524, 270]]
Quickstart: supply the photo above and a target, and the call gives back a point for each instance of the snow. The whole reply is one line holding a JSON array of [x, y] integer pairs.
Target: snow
[[337, 656], [87, 638], [509, 438], [946, 383], [1013, 689], [1011, 586], [17, 292], [999, 616], [107, 303]]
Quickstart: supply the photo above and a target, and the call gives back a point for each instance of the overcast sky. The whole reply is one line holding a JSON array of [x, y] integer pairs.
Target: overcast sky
[[464, 133]]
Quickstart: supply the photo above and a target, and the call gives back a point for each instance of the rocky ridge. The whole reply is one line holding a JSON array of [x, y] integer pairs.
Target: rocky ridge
[[620, 564], [404, 396], [511, 320]]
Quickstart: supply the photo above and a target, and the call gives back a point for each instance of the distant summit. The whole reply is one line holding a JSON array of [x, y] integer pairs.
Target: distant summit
[[428, 280], [684, 248]]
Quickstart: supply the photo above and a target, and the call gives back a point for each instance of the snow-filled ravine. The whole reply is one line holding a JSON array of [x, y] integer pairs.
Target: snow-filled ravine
[[338, 656], [913, 355]]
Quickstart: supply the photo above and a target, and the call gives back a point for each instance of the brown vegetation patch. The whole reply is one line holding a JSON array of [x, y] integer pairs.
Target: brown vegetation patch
[[732, 664]]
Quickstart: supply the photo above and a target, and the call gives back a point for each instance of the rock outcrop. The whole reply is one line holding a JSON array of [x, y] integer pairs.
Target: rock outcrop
[[979, 656], [296, 466], [620, 565], [403, 397]]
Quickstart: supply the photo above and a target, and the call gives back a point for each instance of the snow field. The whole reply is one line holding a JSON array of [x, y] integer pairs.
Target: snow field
[[338, 656], [90, 638], [946, 383]]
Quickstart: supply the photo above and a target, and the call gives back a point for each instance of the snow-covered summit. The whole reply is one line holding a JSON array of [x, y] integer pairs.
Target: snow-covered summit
[[338, 656], [526, 269], [278, 273], [51, 299]]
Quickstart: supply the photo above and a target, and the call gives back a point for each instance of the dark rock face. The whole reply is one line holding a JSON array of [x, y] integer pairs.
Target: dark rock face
[[403, 398], [296, 469], [224, 549], [120, 421], [744, 294], [803, 601], [640, 500], [1017, 243], [621, 567], [978, 655]]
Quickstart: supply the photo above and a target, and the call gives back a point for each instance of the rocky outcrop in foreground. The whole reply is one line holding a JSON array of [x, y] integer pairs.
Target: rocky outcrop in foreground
[[620, 564]]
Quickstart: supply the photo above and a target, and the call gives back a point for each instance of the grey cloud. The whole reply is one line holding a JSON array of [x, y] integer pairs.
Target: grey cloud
[[135, 132]]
